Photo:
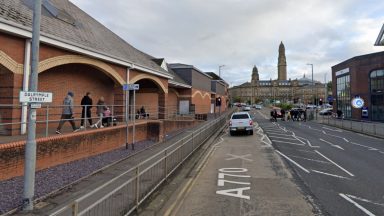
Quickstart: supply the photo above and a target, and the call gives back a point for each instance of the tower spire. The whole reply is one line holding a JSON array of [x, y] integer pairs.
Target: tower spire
[[282, 63]]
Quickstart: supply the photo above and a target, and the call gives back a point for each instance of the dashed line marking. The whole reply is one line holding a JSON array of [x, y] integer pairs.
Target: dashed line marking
[[286, 138]]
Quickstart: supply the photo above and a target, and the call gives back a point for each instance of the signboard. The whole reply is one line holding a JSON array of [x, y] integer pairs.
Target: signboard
[[357, 103], [329, 98], [128, 87], [36, 105], [35, 97]]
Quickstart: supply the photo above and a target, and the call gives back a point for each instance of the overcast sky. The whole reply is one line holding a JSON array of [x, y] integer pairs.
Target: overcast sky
[[243, 33]]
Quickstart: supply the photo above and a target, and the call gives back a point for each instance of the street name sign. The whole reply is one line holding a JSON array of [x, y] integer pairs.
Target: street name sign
[[35, 97], [128, 87]]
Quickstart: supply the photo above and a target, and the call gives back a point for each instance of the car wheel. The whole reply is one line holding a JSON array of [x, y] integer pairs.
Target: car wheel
[[251, 132], [231, 133]]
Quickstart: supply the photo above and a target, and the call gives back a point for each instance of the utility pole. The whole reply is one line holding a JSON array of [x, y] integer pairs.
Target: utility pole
[[30, 147], [220, 66], [325, 89]]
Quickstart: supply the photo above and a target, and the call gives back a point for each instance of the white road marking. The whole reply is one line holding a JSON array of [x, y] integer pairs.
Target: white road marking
[[304, 158], [331, 129], [368, 147], [238, 192], [364, 200], [292, 161], [306, 151], [334, 163], [310, 145], [287, 138], [299, 144], [242, 157], [357, 205], [345, 139], [280, 134], [333, 145], [329, 174]]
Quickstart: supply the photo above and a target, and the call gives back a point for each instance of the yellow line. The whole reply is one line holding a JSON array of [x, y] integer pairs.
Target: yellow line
[[174, 208]]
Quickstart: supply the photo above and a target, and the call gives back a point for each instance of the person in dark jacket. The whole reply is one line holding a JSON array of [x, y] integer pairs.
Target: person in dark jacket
[[67, 114], [86, 104]]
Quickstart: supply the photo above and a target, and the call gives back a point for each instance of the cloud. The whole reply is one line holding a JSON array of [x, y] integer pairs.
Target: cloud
[[243, 33]]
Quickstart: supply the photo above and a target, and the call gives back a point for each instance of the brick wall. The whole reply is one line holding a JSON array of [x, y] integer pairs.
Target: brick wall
[[55, 150]]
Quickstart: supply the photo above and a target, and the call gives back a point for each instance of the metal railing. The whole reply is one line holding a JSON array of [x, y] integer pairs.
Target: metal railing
[[48, 117], [133, 186], [366, 127]]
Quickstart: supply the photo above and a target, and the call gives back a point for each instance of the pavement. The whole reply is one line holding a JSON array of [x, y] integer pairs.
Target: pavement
[[236, 175]]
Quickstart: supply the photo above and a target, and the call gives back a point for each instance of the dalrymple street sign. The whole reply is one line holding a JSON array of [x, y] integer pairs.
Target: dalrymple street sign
[[35, 97]]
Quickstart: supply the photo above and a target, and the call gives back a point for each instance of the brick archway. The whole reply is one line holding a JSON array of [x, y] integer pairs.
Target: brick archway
[[152, 78], [10, 64], [202, 96], [76, 59]]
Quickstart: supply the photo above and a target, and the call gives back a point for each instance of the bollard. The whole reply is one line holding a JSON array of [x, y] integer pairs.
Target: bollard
[[165, 163], [75, 208], [137, 187]]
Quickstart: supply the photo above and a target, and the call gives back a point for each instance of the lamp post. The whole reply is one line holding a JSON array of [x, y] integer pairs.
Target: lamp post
[[312, 80], [220, 66]]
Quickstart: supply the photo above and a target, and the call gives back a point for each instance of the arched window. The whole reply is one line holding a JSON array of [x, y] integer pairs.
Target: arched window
[[377, 94]]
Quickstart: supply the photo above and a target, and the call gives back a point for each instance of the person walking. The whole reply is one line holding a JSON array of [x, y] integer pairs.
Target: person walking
[[67, 113], [86, 104], [100, 112]]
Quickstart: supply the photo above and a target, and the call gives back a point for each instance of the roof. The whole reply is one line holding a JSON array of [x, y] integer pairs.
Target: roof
[[360, 57], [185, 66], [177, 80], [74, 27], [215, 77]]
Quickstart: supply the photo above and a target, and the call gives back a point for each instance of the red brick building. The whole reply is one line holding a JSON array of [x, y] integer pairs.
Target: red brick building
[[79, 54], [360, 76]]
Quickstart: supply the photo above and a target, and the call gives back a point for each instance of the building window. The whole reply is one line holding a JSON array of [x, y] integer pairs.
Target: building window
[[343, 92], [377, 95]]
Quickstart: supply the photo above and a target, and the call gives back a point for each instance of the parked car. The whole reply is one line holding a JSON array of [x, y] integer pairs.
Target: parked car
[[246, 108], [326, 111], [257, 106], [311, 106], [240, 122]]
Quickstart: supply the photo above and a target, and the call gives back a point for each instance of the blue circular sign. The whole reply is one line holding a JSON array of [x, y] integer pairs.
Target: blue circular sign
[[357, 103]]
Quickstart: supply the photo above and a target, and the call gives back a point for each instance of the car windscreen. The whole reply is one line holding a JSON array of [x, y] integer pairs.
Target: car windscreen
[[240, 116]]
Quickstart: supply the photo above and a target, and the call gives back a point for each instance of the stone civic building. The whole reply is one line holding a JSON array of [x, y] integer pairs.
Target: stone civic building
[[283, 89]]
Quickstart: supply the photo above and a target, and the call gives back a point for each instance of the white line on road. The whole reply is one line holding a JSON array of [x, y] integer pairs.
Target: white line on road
[[368, 147], [288, 142], [357, 205], [334, 163], [280, 134], [294, 162], [364, 200], [283, 138], [329, 174], [331, 129], [345, 139], [333, 145], [304, 158]]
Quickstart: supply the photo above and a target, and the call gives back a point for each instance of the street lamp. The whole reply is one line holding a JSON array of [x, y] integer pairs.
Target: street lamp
[[220, 66], [312, 77]]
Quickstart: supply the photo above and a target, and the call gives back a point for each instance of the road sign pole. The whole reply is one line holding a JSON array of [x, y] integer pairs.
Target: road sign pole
[[30, 147], [134, 119]]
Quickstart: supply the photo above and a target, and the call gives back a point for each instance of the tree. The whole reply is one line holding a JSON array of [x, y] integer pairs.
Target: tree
[[329, 86]]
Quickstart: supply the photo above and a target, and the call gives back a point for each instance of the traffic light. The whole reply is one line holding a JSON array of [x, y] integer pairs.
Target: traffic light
[[320, 101], [218, 101]]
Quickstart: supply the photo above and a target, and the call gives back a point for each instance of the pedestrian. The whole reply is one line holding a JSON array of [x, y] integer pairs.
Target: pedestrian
[[107, 118], [283, 115], [288, 115], [100, 112], [275, 115], [305, 114], [86, 104], [67, 113]]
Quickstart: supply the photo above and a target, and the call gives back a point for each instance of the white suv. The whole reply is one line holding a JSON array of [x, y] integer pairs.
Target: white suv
[[240, 121]]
